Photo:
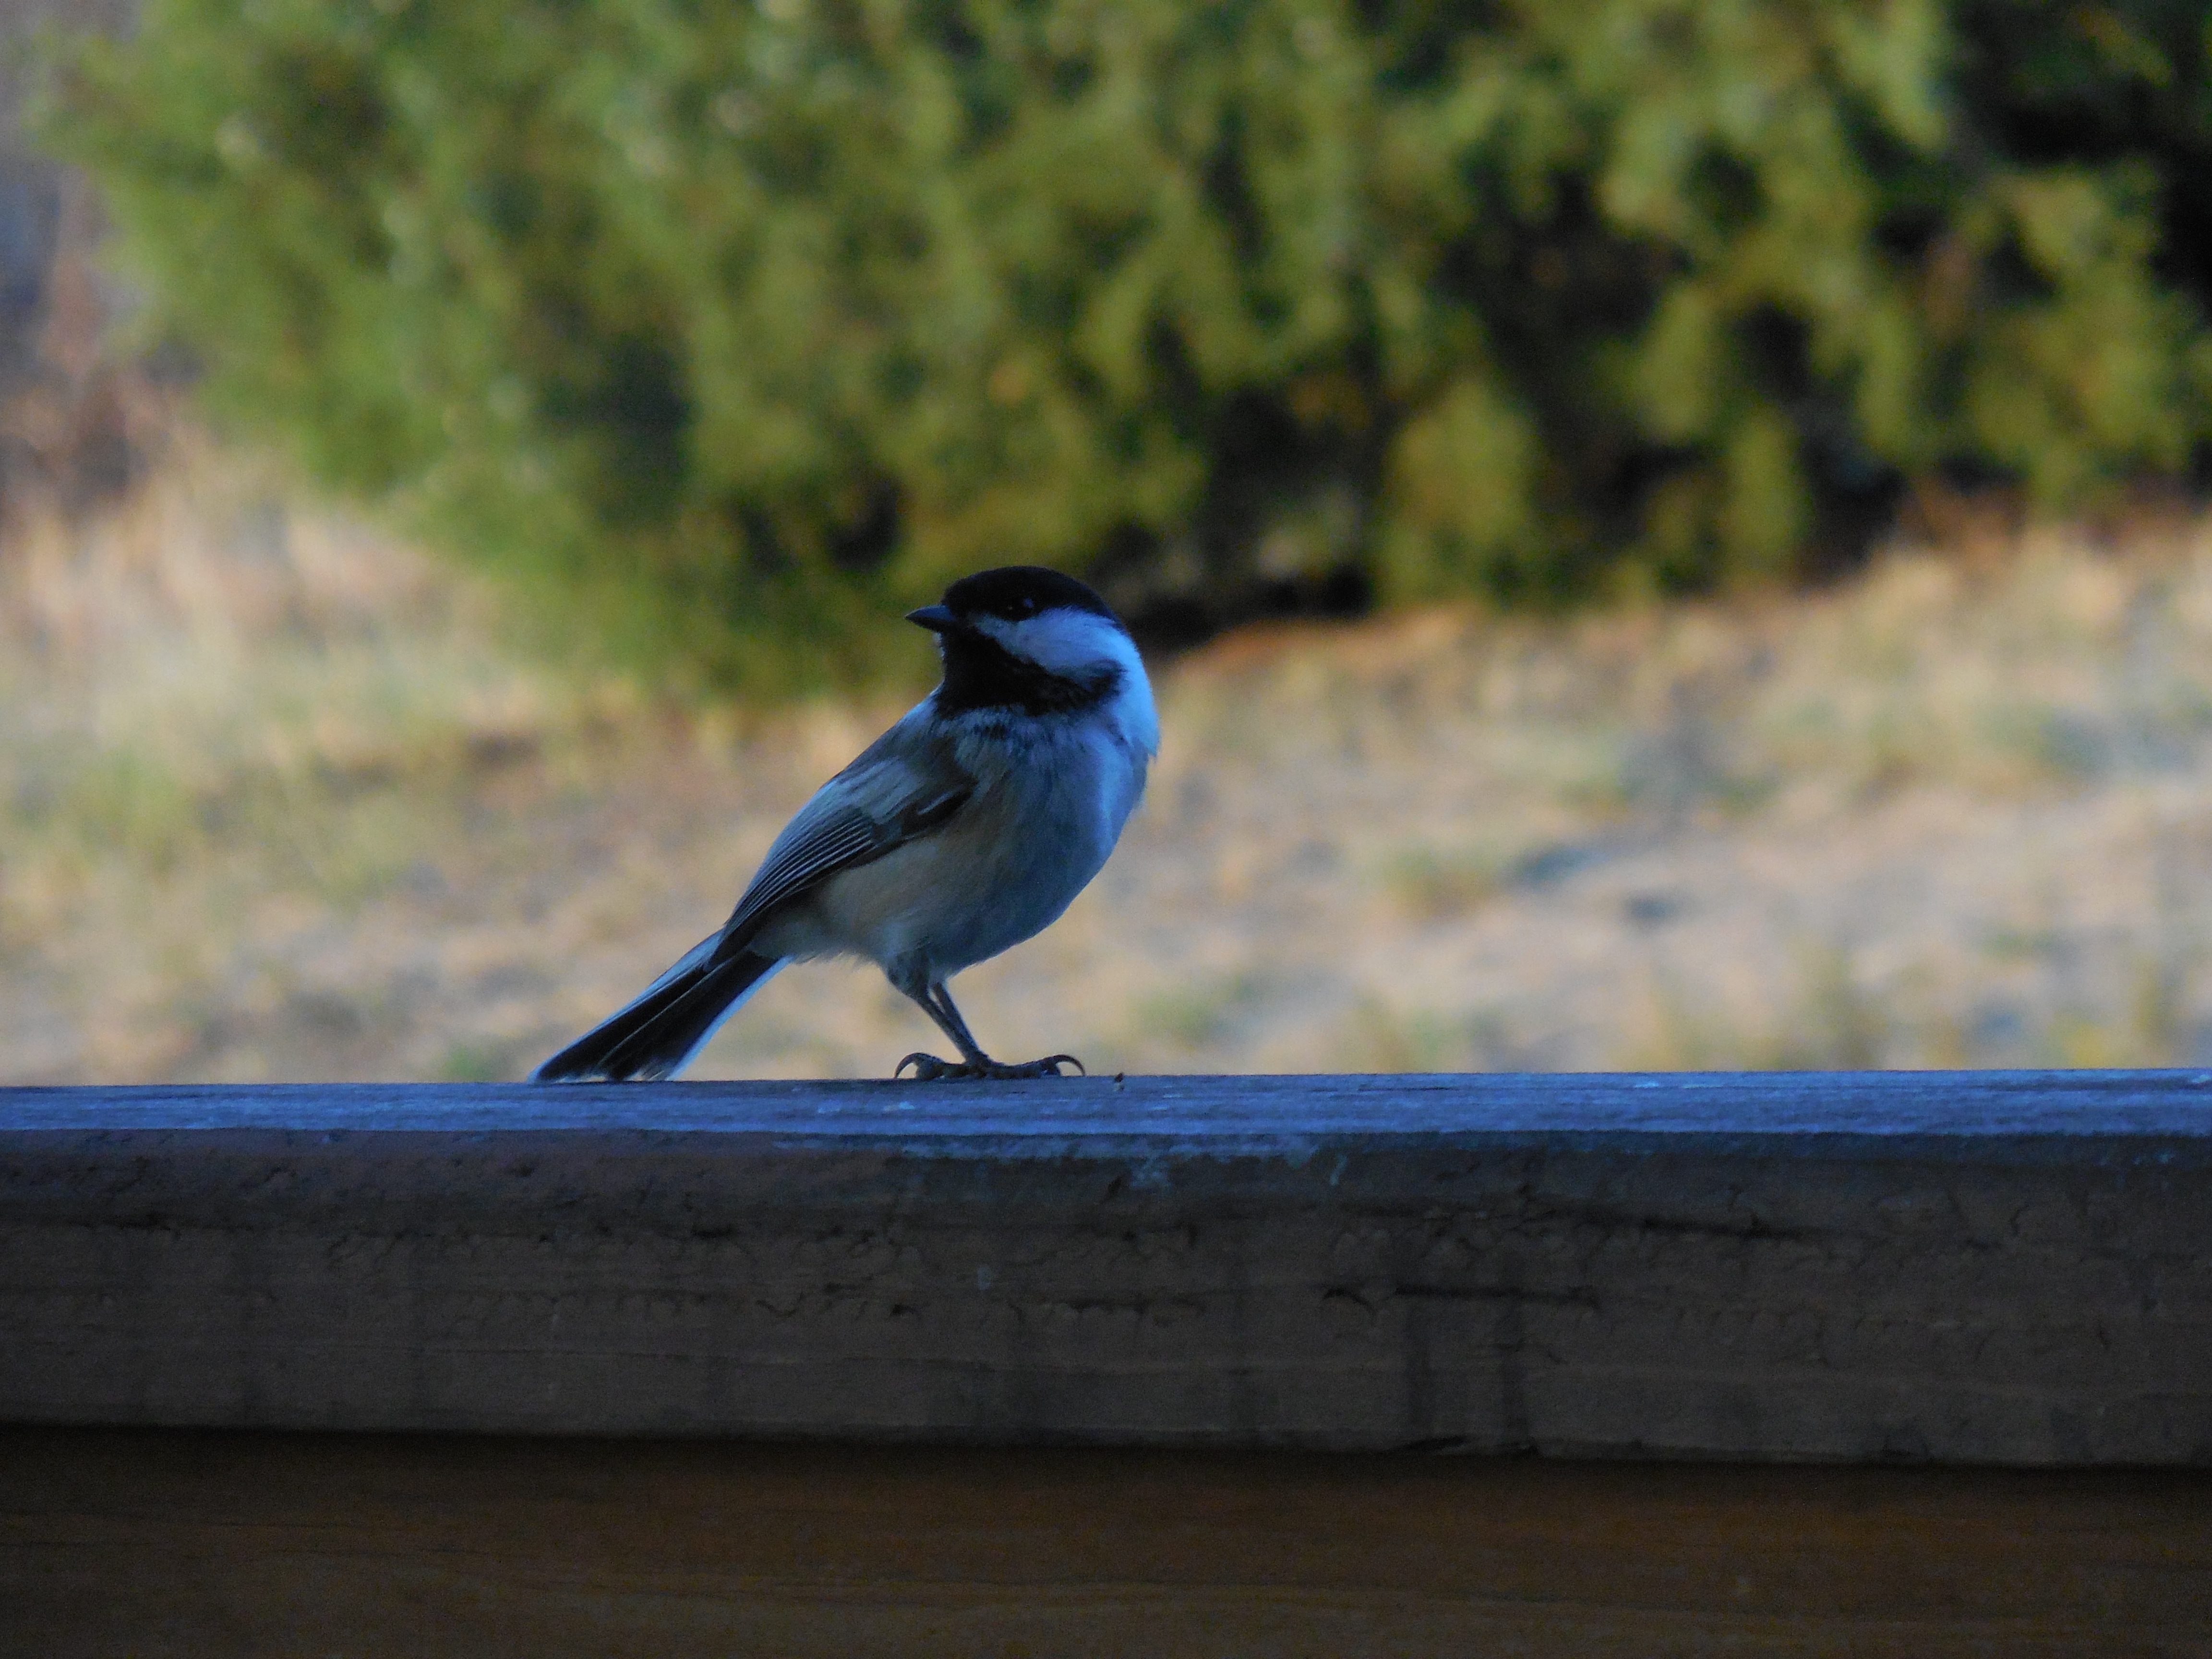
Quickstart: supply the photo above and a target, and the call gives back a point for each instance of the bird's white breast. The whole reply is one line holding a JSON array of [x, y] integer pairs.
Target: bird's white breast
[[1051, 798]]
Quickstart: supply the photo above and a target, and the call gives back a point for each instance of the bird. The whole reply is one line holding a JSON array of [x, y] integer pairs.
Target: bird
[[965, 829]]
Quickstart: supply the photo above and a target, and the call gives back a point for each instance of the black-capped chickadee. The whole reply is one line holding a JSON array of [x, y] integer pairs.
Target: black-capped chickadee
[[964, 830]]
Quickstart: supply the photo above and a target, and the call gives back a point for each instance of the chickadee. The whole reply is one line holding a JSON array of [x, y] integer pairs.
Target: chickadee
[[964, 830]]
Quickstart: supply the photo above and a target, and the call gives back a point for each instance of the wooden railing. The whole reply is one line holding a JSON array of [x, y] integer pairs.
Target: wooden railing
[[1980, 1268], [1201, 1279]]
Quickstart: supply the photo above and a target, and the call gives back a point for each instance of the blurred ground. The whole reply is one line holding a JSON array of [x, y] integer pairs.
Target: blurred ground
[[276, 802]]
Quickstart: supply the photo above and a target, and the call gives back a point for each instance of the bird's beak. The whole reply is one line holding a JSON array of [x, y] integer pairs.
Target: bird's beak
[[935, 617]]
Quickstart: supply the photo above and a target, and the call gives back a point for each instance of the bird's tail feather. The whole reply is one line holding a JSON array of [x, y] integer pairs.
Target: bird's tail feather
[[655, 1036]]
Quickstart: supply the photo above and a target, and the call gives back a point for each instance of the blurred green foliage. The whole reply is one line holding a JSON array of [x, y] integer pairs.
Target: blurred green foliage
[[735, 324]]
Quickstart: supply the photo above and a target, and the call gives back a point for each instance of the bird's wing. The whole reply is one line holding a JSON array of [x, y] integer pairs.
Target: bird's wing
[[901, 788]]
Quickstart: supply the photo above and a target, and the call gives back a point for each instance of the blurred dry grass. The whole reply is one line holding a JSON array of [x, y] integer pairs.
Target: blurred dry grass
[[276, 802]]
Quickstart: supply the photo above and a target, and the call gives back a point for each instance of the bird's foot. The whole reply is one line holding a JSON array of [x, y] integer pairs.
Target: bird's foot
[[928, 1068]]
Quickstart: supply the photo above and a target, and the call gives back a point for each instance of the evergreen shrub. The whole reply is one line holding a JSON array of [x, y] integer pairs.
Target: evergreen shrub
[[735, 324]]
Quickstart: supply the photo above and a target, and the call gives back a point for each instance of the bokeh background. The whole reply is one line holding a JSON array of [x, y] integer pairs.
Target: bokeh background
[[1668, 534]]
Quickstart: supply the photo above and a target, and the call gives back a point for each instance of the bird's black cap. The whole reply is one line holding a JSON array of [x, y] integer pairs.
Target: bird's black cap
[[1016, 591]]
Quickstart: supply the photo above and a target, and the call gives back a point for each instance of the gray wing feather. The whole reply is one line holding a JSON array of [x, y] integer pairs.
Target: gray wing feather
[[901, 788]]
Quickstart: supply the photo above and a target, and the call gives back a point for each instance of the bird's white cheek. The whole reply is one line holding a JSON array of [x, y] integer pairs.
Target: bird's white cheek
[[1063, 642]]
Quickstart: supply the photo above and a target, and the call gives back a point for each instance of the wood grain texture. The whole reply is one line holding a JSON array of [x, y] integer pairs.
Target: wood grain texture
[[1972, 1268], [158, 1544]]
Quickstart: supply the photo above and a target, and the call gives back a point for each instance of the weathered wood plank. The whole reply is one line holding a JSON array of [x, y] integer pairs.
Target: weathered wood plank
[[156, 1544], [1975, 1267]]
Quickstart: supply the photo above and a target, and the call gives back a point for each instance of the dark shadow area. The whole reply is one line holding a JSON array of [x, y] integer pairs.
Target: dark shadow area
[[157, 1543]]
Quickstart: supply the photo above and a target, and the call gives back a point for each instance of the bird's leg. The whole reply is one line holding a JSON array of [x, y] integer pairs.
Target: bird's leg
[[937, 1002], [922, 992]]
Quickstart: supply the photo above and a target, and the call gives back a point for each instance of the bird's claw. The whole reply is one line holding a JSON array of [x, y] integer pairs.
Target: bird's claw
[[928, 1068], [1048, 1066]]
